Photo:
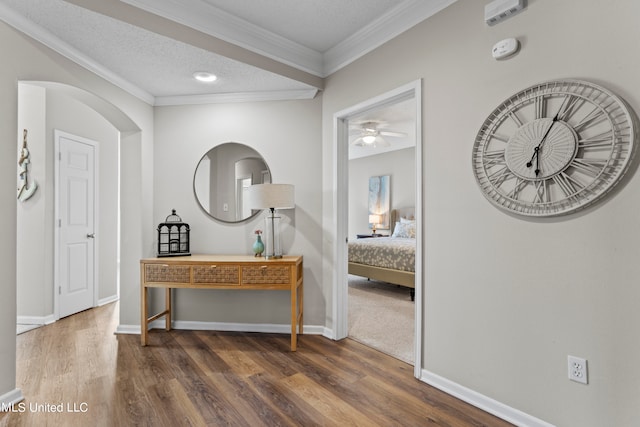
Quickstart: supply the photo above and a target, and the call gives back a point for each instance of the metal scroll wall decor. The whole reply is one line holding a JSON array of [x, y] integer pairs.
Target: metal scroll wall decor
[[27, 187]]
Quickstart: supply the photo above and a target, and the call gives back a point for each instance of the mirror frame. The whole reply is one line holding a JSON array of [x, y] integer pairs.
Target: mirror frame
[[237, 184]]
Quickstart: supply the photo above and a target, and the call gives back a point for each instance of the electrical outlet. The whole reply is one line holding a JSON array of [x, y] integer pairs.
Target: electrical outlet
[[578, 369]]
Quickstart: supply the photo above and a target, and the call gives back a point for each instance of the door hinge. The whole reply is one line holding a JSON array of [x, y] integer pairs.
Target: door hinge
[[60, 155], [59, 223], [59, 290]]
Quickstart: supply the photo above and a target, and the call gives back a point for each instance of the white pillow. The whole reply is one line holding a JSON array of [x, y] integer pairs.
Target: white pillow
[[405, 230], [404, 220]]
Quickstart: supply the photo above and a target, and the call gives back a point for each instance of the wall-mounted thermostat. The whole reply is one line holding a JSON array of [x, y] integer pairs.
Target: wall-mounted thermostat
[[499, 10], [504, 48]]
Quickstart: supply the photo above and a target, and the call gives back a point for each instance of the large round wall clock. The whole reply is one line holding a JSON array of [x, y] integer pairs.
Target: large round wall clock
[[554, 148]]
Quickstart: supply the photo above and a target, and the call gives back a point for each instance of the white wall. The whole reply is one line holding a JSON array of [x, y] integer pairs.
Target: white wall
[[507, 299], [66, 114], [400, 166], [26, 60], [287, 135], [33, 283], [41, 112]]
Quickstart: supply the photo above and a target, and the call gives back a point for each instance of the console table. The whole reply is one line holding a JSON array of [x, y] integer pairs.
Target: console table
[[236, 272]]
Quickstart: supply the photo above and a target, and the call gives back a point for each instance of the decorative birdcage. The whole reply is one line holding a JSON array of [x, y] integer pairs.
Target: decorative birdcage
[[173, 236]]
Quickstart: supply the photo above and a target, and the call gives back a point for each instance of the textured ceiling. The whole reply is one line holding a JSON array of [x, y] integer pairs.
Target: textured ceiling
[[259, 49], [318, 25]]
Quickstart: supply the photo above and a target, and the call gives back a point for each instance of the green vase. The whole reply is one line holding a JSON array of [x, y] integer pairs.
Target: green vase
[[258, 246]]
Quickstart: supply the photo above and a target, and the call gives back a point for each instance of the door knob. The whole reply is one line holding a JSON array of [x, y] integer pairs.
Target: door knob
[[91, 236]]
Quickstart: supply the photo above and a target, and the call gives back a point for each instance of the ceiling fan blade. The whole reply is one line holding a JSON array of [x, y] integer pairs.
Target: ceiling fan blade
[[394, 134]]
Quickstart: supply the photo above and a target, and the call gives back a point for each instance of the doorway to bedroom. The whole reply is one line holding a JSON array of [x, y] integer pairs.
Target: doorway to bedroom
[[378, 189]]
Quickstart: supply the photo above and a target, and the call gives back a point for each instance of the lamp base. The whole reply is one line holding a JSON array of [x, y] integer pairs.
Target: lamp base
[[272, 248]]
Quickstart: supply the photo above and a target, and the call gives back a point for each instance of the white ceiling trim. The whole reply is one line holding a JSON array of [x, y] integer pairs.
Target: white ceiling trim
[[386, 27], [220, 24], [223, 98], [17, 21]]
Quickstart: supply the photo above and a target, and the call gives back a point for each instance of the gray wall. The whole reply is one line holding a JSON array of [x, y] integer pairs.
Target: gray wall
[[489, 324], [507, 299], [399, 165], [43, 111], [26, 60], [288, 136]]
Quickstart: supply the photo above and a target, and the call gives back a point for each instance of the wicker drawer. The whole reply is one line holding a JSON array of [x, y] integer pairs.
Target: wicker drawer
[[262, 275], [227, 274], [167, 273]]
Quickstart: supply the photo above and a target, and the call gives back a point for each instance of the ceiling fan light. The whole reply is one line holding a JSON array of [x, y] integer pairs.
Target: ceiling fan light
[[369, 139]]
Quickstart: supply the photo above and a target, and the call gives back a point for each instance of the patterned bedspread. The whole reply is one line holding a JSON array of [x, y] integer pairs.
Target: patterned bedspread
[[388, 252]]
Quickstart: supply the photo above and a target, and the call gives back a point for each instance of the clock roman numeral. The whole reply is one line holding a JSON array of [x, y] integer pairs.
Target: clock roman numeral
[[568, 185], [499, 137], [605, 139], [593, 118], [498, 177], [520, 184], [542, 195], [591, 167], [569, 106], [494, 158], [539, 107], [515, 118]]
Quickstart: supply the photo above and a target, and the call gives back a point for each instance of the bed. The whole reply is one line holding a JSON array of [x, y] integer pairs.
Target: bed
[[388, 259]]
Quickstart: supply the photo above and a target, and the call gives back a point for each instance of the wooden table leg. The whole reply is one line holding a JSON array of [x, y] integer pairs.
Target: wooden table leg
[[294, 318], [167, 306], [144, 326], [301, 308]]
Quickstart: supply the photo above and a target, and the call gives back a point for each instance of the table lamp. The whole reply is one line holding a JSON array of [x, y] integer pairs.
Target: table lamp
[[375, 220], [272, 197]]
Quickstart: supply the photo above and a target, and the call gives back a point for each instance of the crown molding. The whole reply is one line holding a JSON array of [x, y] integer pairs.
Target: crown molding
[[215, 22], [225, 98], [401, 18], [218, 23], [27, 27]]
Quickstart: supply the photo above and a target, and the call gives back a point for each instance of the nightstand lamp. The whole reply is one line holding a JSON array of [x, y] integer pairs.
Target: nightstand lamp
[[272, 197], [375, 220]]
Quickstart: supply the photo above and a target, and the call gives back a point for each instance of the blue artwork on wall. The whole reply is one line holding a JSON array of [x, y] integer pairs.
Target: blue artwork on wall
[[379, 200]]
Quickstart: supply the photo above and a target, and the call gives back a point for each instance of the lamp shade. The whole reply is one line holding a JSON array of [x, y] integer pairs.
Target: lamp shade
[[375, 219], [267, 196]]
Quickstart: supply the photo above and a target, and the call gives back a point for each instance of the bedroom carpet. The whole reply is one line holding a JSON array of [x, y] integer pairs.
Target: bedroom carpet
[[381, 316]]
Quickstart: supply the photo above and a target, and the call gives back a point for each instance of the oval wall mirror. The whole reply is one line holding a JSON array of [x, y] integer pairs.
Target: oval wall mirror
[[222, 178]]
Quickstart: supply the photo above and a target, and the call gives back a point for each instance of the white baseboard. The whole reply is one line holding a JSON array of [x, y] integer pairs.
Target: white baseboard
[[108, 300], [226, 327], [128, 329], [483, 402], [328, 333], [36, 320], [9, 399]]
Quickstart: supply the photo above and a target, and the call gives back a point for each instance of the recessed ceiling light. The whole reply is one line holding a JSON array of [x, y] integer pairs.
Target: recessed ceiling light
[[203, 76]]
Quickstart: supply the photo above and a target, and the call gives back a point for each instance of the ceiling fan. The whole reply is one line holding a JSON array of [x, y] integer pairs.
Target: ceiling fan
[[371, 133]]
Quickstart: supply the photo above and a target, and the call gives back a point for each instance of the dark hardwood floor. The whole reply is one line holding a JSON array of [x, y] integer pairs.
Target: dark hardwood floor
[[203, 378]]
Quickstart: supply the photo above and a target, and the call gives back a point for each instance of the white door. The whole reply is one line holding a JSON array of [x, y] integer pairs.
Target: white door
[[75, 193]]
